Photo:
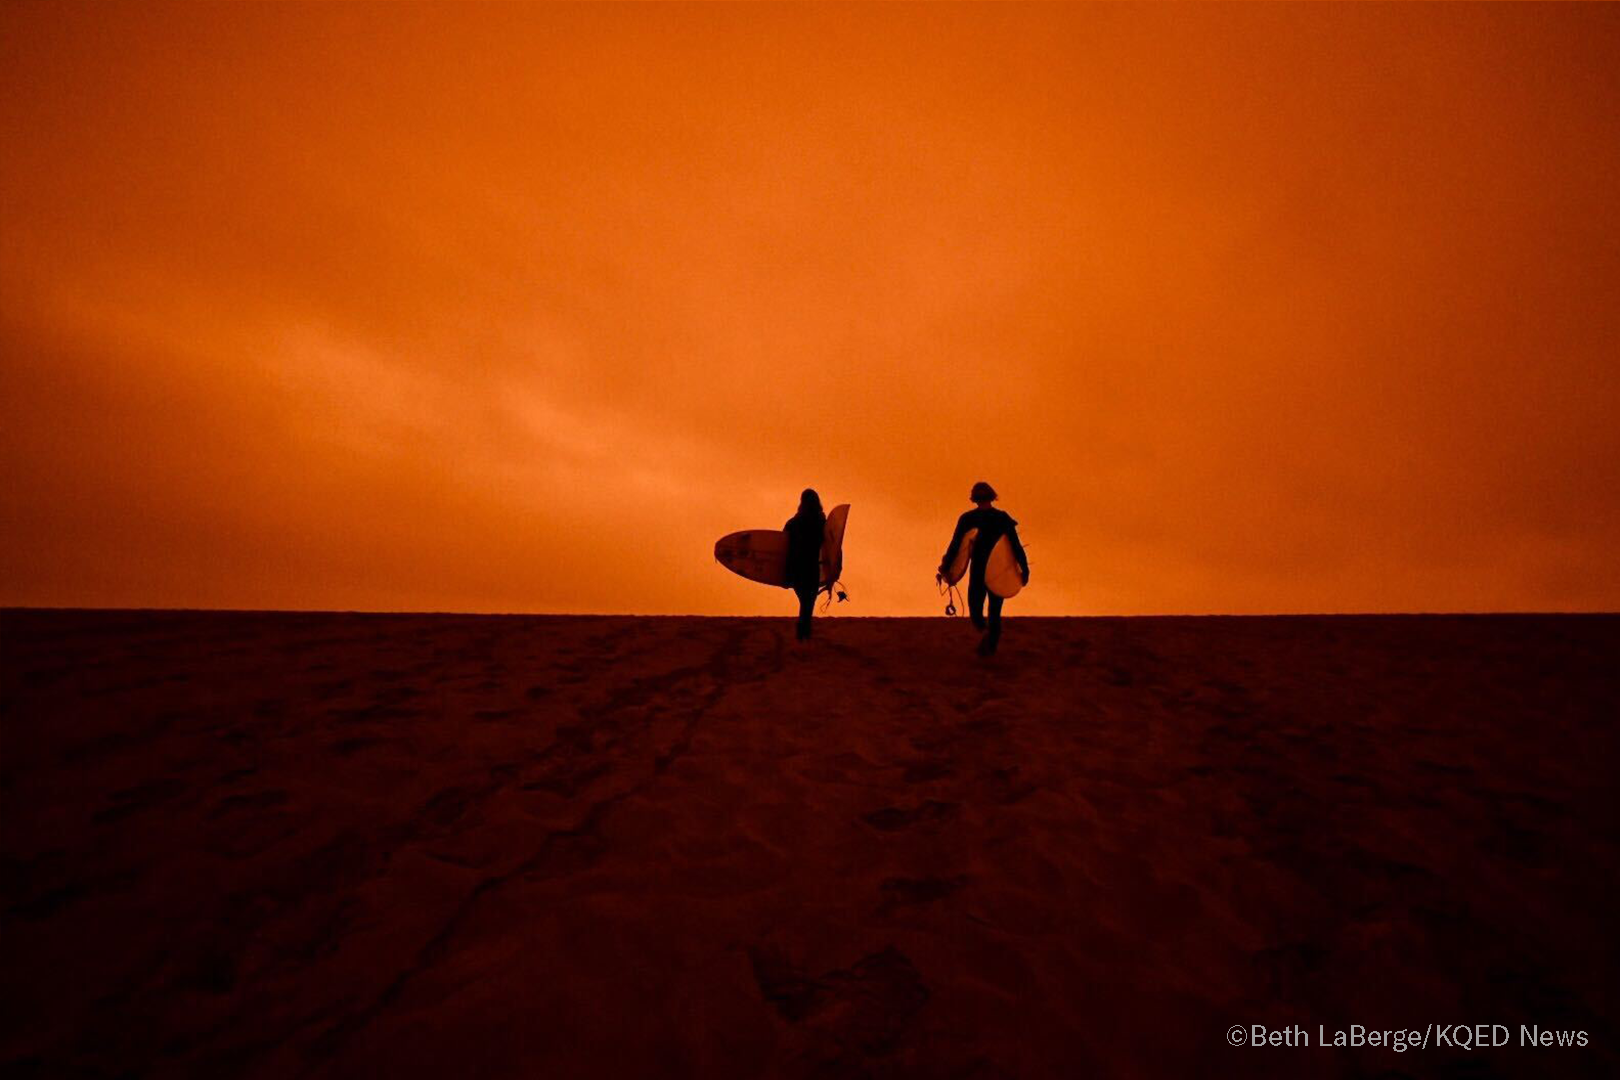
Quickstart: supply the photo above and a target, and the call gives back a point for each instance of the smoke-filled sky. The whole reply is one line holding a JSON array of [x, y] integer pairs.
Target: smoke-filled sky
[[1243, 309]]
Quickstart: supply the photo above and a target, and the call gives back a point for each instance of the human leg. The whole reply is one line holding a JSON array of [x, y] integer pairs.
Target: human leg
[[993, 637], [976, 594], [807, 604]]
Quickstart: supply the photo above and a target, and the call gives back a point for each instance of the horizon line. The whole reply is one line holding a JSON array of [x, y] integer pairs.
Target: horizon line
[[388, 612]]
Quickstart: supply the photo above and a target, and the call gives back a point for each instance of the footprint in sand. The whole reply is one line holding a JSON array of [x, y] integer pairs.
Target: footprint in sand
[[862, 1010], [921, 772], [568, 778], [903, 891], [894, 818], [448, 806], [141, 797], [1005, 788], [262, 800]]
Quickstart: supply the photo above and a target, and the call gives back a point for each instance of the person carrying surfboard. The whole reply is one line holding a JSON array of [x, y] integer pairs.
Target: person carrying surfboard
[[988, 526], [805, 531]]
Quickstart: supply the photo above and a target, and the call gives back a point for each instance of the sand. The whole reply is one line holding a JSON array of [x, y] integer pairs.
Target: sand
[[337, 845]]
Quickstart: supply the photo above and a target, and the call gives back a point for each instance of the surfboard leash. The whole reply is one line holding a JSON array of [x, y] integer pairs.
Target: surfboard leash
[[953, 598], [826, 600]]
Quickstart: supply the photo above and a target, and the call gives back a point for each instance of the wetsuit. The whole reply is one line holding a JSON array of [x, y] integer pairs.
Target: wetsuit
[[805, 532], [992, 524]]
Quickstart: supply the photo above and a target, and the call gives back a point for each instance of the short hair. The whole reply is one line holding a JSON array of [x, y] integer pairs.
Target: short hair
[[983, 492]]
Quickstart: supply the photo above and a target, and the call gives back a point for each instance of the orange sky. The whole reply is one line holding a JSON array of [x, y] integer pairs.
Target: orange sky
[[1243, 309]]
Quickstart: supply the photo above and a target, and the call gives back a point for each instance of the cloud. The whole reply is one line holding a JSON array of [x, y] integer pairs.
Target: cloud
[[520, 309]]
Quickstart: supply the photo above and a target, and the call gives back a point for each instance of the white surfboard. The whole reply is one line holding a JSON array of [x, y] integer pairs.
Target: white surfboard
[[832, 545], [961, 558], [761, 554], [1001, 574]]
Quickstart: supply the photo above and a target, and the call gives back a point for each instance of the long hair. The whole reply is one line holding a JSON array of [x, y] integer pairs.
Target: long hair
[[810, 505]]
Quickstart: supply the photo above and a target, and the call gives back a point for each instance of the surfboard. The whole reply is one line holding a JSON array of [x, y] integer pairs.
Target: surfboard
[[962, 557], [832, 545], [761, 554], [1002, 575]]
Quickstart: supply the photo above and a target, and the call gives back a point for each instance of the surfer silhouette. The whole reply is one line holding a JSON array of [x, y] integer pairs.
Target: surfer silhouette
[[805, 530], [991, 525]]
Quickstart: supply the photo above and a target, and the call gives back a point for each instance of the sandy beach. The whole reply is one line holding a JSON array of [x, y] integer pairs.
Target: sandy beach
[[341, 845]]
